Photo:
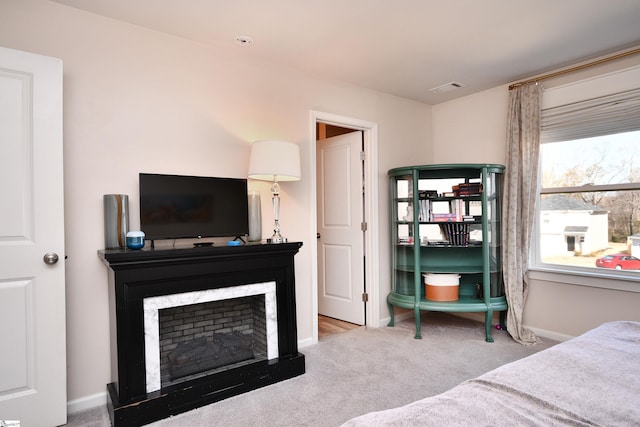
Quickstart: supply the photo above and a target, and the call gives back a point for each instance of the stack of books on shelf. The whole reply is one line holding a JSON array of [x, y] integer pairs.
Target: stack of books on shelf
[[405, 240], [467, 189], [443, 217]]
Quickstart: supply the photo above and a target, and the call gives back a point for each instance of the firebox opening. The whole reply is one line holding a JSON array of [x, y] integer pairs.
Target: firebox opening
[[201, 339]]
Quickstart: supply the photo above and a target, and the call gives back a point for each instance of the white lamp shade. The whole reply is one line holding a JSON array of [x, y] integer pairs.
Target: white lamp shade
[[275, 160]]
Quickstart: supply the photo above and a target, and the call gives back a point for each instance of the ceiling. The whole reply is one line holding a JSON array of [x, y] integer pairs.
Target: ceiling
[[400, 47]]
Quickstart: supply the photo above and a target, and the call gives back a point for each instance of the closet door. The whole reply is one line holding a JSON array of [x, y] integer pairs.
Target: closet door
[[32, 288]]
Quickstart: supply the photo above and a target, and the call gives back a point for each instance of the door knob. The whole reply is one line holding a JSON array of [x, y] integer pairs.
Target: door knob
[[317, 235], [50, 258]]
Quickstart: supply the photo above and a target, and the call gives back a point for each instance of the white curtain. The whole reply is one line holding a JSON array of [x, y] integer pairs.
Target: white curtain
[[518, 208]]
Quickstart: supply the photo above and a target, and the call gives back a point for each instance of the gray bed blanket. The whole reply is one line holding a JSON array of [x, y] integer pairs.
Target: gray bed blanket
[[590, 380]]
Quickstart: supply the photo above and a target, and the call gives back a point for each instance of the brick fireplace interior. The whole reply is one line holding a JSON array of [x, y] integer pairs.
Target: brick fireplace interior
[[201, 339]]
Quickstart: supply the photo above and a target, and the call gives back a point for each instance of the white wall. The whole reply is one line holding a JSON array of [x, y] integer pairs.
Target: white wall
[[471, 129], [141, 101], [557, 306]]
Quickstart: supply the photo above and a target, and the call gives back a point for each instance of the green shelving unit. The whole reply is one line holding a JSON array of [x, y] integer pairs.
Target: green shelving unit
[[446, 219]]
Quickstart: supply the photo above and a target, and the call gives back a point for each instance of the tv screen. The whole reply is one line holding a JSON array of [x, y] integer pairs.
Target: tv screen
[[177, 206]]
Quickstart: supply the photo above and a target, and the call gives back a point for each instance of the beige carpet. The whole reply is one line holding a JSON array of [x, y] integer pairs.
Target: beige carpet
[[355, 372]]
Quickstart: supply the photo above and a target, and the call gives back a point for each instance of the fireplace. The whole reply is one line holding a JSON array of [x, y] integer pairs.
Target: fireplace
[[196, 325], [193, 334]]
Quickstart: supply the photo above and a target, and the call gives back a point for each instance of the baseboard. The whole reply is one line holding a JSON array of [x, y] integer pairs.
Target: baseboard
[[384, 321], [305, 342], [549, 334], [543, 333], [87, 402]]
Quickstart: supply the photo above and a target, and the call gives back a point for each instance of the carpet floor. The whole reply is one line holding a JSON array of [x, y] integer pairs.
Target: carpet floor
[[355, 372]]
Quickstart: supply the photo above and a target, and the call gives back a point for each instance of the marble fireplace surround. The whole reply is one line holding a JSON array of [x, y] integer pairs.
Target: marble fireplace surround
[[152, 305]]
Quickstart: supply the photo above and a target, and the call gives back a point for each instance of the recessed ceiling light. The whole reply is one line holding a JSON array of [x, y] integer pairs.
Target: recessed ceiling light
[[244, 40], [447, 87]]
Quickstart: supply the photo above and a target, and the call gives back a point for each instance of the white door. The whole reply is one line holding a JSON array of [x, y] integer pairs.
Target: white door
[[340, 215], [32, 292]]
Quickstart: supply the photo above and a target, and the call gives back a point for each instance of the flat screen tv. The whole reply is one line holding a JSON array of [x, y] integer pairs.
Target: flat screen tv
[[177, 206]]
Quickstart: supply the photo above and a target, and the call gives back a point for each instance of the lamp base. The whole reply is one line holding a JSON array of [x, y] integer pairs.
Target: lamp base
[[277, 238]]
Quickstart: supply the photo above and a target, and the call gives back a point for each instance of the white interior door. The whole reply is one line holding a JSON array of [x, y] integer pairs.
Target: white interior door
[[340, 215], [32, 294]]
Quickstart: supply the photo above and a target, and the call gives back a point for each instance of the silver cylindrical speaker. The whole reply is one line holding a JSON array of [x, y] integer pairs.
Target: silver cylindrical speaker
[[255, 217], [116, 220]]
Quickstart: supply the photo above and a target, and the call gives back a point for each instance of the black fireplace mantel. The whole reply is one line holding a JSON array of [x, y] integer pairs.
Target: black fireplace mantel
[[140, 274]]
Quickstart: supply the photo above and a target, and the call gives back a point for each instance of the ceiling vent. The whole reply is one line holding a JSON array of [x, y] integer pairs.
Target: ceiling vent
[[447, 87]]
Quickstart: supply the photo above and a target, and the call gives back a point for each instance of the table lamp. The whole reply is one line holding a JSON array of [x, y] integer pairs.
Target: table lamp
[[275, 161]]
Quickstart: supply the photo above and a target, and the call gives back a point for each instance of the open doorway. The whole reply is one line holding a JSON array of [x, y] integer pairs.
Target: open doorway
[[337, 163], [340, 230]]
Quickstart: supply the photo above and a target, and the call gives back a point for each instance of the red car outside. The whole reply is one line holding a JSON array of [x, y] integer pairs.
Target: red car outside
[[619, 262]]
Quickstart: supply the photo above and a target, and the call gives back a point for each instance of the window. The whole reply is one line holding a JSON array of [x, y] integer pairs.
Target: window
[[589, 200]]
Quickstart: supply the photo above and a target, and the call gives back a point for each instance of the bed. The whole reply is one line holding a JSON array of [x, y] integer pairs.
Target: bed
[[590, 380]]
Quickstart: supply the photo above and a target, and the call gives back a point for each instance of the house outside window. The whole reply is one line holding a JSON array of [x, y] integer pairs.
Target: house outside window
[[589, 197]]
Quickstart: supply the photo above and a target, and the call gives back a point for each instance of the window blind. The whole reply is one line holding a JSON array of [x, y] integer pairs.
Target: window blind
[[605, 115]]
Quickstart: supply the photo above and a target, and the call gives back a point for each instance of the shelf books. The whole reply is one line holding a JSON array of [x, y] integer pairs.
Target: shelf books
[[467, 189], [456, 233], [425, 204], [457, 208], [438, 210], [453, 211], [443, 217], [427, 194]]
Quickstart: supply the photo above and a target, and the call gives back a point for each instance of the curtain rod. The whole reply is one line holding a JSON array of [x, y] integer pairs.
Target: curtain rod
[[577, 68]]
